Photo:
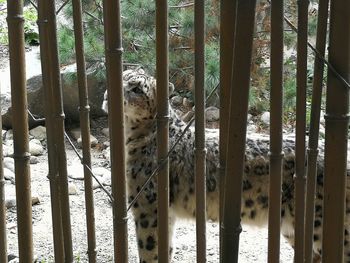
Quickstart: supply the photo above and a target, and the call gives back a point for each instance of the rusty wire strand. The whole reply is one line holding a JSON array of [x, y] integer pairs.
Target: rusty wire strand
[[172, 148], [80, 158], [33, 4], [62, 6]]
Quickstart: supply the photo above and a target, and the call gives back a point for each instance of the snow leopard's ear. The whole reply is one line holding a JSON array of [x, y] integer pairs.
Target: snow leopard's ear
[[171, 88]]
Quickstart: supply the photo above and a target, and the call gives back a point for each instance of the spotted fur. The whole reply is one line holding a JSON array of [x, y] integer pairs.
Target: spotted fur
[[140, 130]]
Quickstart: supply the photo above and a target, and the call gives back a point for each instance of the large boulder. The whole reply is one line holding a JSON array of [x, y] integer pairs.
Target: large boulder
[[36, 102]]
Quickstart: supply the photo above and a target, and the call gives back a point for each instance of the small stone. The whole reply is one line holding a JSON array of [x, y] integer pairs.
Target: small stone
[[107, 153], [72, 189], [265, 118], [9, 135], [38, 133], [35, 148], [33, 160], [9, 203], [177, 101], [105, 131], [106, 144], [76, 171], [3, 134], [9, 175], [76, 133], [251, 128], [9, 163], [212, 114], [93, 141], [7, 150]]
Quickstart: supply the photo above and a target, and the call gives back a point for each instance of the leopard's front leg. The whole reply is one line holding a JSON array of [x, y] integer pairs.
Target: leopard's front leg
[[145, 216]]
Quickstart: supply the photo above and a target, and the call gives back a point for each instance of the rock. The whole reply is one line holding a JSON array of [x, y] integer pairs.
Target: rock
[[107, 153], [33, 160], [35, 148], [251, 128], [93, 141], [9, 163], [3, 132], [35, 95], [72, 189], [9, 175], [7, 150], [76, 170], [8, 135], [212, 114], [11, 202], [176, 101], [105, 131], [38, 133], [265, 118], [75, 133]]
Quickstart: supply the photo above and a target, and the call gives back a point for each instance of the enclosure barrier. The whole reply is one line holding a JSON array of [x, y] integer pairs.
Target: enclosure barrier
[[235, 47], [21, 154], [242, 53], [114, 68], [276, 137], [300, 130], [84, 110], [227, 29], [337, 126], [312, 151], [3, 236], [162, 73], [200, 150], [55, 131]]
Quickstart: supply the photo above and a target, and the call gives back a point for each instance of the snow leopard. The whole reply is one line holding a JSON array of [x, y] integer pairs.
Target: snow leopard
[[140, 111]]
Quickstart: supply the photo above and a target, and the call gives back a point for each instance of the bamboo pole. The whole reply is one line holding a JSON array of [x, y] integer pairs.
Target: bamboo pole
[[337, 123], [3, 236], [276, 136], [84, 110], [300, 131], [162, 64], [55, 131], [227, 28], [245, 20], [114, 67], [312, 150], [200, 150], [21, 154]]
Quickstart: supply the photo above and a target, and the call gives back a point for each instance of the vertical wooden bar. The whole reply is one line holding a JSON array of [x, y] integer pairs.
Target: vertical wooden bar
[[200, 150], [21, 155], [276, 136], [84, 110], [162, 64], [114, 52], [312, 150], [227, 29], [245, 20], [300, 178], [337, 123], [55, 131], [3, 235]]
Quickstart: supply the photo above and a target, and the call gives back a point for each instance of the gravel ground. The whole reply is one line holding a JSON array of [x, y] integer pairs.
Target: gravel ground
[[253, 242]]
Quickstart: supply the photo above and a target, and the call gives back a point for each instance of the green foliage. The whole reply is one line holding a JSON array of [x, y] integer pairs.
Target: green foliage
[[139, 43], [31, 33]]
